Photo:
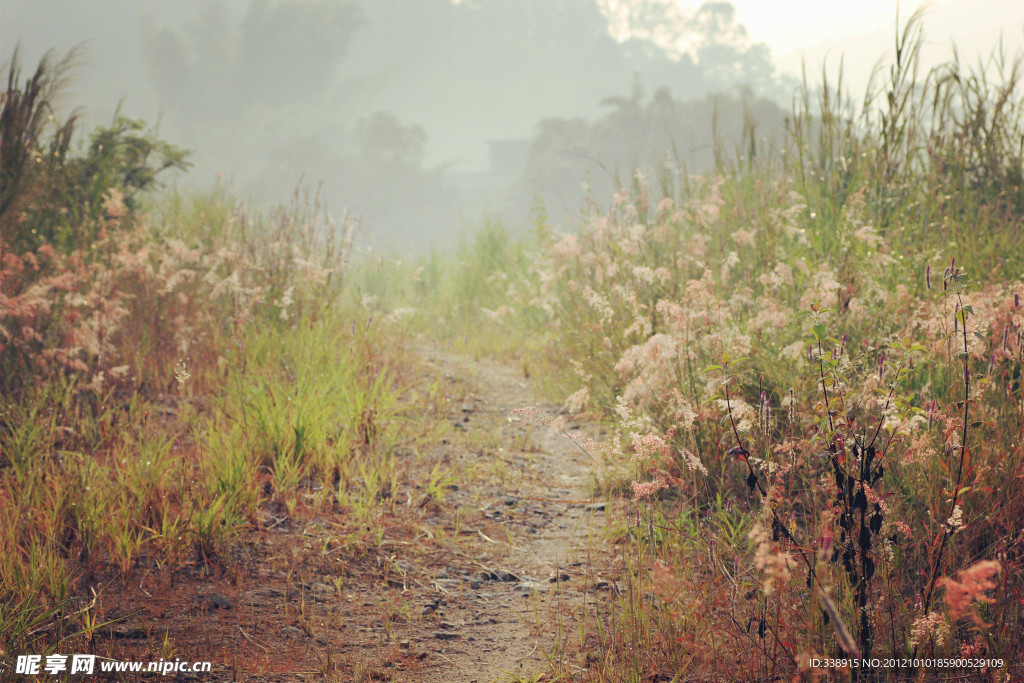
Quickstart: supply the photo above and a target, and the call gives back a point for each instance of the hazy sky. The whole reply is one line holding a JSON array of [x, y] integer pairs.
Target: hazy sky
[[863, 30], [788, 24]]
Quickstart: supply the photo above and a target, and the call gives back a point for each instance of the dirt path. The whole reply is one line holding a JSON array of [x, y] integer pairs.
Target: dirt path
[[477, 568], [514, 606]]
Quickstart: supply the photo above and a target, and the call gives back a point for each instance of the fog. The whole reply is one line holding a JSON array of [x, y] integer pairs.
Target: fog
[[424, 116]]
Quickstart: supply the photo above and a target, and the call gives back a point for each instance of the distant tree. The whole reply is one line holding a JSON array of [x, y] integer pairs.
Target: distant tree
[[644, 134], [724, 49], [382, 139], [215, 68], [712, 38]]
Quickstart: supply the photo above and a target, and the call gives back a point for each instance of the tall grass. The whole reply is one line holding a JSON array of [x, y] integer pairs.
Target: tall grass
[[813, 362], [937, 155], [162, 388]]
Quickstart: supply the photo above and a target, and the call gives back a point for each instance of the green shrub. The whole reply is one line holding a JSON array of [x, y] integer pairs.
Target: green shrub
[[50, 195]]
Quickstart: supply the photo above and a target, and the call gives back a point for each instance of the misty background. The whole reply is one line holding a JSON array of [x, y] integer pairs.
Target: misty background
[[421, 117]]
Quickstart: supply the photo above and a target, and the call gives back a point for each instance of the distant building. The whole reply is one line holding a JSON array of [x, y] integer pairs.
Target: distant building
[[508, 159]]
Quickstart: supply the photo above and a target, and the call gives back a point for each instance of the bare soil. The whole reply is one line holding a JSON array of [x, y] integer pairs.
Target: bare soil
[[480, 575]]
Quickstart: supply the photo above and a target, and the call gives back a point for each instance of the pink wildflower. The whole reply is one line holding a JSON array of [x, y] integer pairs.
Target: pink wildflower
[[645, 490], [648, 446], [970, 587], [533, 416]]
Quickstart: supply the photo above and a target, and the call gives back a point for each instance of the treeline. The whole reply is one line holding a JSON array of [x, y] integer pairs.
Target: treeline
[[392, 104]]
